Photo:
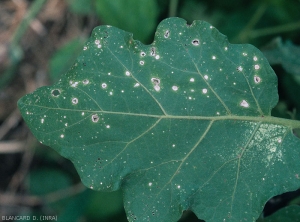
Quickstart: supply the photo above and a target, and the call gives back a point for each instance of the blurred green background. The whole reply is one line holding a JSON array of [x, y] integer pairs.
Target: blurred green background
[[40, 40]]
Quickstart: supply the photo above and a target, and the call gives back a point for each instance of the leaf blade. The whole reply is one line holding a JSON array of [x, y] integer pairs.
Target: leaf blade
[[141, 117]]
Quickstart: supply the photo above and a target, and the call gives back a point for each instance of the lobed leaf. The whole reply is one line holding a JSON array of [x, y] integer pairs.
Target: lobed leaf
[[183, 123]]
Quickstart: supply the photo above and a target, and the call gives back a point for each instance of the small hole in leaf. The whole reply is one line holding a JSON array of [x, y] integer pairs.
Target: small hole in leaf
[[95, 118], [196, 42], [257, 79], [167, 34], [153, 51], [155, 80], [55, 92]]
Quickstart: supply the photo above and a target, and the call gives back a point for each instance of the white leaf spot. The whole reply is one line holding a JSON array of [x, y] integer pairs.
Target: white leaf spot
[[127, 73], [255, 58], [136, 84], [204, 91], [143, 54], [256, 67], [74, 100], [206, 77], [85, 82], [157, 57], [192, 80], [73, 84], [142, 63], [175, 88], [62, 136], [213, 57], [157, 88], [240, 68], [104, 85], [244, 103]]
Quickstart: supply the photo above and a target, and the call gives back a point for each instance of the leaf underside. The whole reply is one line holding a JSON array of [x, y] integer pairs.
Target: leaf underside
[[183, 123]]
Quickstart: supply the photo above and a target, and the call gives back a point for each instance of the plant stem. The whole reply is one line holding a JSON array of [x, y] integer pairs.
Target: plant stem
[[275, 30], [244, 34], [33, 11], [173, 8]]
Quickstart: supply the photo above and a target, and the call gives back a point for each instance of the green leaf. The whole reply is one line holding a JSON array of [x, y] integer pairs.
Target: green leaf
[[183, 123], [61, 61], [287, 54], [288, 214], [138, 17]]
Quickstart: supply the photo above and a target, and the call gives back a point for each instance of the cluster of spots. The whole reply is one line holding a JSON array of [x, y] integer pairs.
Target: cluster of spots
[[97, 42], [156, 83], [73, 83], [268, 139], [256, 78]]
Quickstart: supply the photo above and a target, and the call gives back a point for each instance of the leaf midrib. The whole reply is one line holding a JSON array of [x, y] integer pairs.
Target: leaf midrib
[[293, 124]]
